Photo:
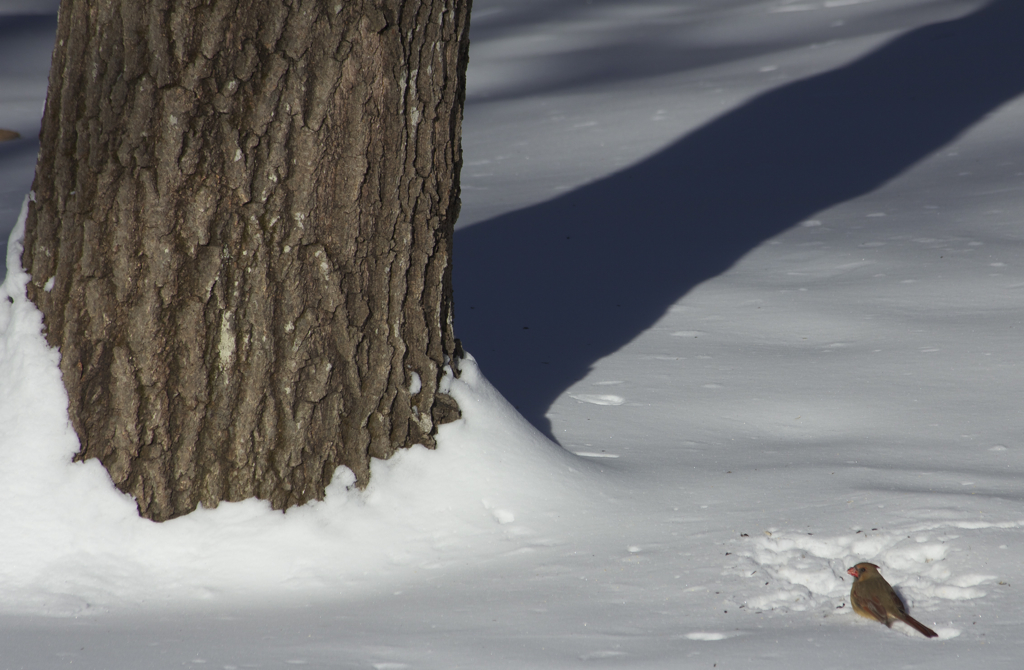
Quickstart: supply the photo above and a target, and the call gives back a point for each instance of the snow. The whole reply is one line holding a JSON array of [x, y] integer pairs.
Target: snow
[[750, 275]]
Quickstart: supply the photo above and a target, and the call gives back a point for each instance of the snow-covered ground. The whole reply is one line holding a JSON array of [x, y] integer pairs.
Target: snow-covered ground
[[757, 266]]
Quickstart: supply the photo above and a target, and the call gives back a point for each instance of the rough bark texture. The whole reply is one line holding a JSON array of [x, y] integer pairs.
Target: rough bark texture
[[241, 237]]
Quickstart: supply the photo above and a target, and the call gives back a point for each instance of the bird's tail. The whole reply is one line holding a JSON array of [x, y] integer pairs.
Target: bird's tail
[[918, 626]]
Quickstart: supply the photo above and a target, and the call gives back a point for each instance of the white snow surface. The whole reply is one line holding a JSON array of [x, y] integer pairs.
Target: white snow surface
[[750, 274]]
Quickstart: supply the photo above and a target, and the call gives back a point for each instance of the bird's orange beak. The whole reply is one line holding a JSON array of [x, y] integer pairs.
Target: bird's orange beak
[[853, 571]]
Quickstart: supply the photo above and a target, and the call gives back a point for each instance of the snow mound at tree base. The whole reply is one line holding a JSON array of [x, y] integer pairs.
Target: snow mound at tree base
[[71, 543]]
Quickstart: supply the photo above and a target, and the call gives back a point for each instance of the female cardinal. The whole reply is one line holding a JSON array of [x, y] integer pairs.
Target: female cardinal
[[872, 597]]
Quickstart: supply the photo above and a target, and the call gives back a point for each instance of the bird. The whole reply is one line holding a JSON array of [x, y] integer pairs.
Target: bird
[[873, 598]]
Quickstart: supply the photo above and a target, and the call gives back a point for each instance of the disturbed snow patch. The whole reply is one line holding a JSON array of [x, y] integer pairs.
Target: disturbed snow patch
[[799, 572]]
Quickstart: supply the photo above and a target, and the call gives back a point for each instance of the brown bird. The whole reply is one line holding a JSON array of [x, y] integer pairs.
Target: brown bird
[[873, 598]]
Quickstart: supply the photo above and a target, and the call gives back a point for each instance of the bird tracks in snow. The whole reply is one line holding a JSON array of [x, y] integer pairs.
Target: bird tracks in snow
[[790, 571]]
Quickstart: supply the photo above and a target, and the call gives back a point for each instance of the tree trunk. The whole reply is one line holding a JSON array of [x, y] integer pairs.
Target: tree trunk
[[241, 238]]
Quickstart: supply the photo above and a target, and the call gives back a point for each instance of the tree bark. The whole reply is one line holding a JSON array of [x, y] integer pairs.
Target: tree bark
[[241, 238]]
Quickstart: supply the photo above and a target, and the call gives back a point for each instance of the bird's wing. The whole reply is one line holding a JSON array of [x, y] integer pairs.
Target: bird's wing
[[872, 606]]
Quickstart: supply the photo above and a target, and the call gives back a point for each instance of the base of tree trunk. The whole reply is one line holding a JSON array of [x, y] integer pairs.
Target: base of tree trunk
[[241, 238]]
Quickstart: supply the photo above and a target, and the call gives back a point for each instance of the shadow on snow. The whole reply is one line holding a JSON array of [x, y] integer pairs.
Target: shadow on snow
[[26, 41], [542, 293]]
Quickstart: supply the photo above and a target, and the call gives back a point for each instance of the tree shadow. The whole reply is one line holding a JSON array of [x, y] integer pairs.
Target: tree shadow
[[542, 293]]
